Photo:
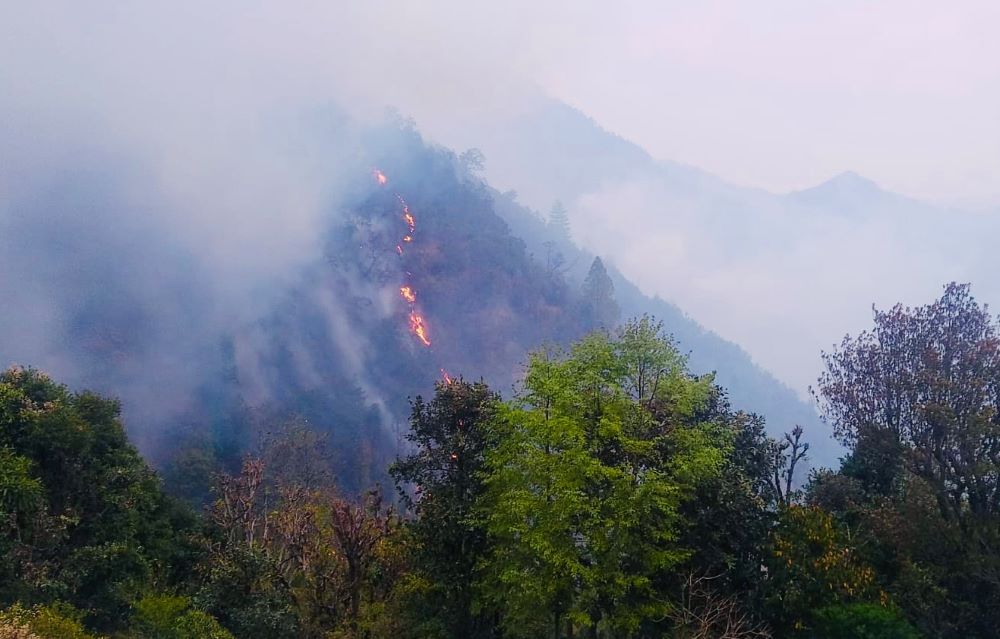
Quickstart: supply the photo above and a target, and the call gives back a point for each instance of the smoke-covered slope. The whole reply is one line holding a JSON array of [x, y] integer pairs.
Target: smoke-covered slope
[[750, 387], [102, 291], [784, 276]]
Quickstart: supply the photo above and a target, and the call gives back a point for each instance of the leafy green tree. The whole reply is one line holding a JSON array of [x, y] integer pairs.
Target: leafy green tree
[[24, 525], [91, 524], [169, 617], [440, 483], [584, 486], [727, 523], [244, 589]]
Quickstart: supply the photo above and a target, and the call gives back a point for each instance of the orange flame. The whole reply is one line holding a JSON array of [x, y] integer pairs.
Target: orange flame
[[445, 376], [419, 328], [407, 238], [410, 222], [408, 294], [380, 177]]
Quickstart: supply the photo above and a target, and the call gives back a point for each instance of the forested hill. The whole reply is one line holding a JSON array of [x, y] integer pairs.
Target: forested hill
[[750, 387], [386, 306]]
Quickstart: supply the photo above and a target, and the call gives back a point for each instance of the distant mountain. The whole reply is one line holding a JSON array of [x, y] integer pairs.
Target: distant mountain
[[851, 194], [571, 155], [749, 386], [785, 276], [556, 153]]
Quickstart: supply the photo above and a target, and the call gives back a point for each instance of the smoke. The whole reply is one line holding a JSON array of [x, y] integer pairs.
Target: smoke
[[784, 277], [169, 169]]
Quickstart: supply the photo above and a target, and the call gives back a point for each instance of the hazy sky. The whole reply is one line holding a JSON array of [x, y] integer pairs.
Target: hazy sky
[[784, 94], [780, 94]]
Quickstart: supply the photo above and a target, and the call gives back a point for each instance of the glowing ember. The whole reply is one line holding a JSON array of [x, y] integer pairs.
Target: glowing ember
[[380, 177], [445, 376], [399, 249], [407, 238], [418, 327], [408, 218], [408, 294]]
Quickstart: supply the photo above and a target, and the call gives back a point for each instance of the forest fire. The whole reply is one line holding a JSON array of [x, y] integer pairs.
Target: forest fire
[[418, 327], [417, 323]]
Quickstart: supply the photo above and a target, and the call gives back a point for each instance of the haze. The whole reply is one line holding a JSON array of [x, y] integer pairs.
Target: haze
[[775, 96]]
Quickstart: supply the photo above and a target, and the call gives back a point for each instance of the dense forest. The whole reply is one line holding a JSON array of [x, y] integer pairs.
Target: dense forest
[[612, 494]]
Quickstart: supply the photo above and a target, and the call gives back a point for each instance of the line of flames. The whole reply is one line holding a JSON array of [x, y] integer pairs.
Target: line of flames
[[417, 323]]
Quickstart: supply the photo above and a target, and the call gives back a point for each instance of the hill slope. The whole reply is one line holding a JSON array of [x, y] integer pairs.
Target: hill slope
[[131, 312]]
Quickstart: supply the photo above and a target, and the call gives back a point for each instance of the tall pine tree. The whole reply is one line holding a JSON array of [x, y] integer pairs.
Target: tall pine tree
[[599, 308]]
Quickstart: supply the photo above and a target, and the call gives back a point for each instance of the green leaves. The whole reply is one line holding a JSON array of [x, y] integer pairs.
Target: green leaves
[[166, 617], [84, 517], [591, 463]]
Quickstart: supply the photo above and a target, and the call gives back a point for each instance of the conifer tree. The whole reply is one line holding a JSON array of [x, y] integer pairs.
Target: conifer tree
[[600, 310]]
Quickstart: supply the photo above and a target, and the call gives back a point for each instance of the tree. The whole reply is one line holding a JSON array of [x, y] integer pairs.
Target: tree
[[862, 621], [358, 529], [85, 519], [294, 557], [917, 400], [559, 221], [927, 381], [728, 521], [813, 564], [787, 454], [169, 617], [585, 483], [440, 483], [57, 621], [599, 310], [472, 160], [704, 613]]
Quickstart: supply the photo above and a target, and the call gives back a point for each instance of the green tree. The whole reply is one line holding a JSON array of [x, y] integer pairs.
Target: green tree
[[169, 617], [440, 483], [591, 465], [91, 524]]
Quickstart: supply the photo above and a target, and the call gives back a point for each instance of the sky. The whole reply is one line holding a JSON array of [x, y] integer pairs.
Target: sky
[[777, 94], [785, 94]]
